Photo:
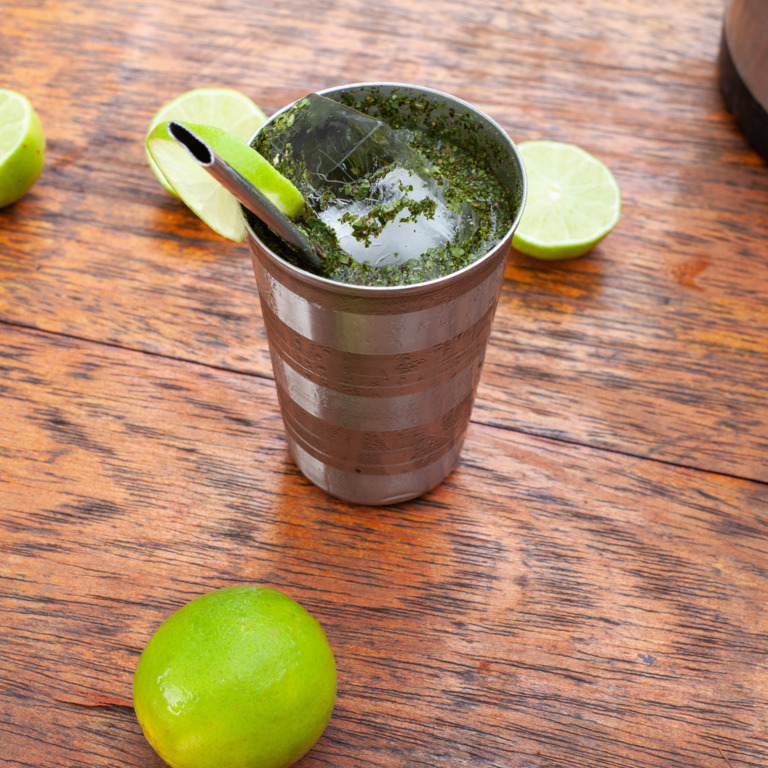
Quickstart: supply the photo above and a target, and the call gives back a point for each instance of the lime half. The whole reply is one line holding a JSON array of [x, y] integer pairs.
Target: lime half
[[573, 201], [215, 205], [221, 107], [22, 146]]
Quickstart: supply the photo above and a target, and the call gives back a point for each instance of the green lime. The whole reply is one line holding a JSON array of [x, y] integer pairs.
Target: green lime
[[215, 205], [573, 201], [221, 107], [242, 677], [22, 146]]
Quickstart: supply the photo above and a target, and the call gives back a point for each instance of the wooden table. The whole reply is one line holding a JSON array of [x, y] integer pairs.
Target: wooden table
[[586, 590]]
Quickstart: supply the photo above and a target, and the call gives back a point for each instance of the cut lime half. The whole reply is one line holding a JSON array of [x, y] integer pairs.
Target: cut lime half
[[22, 146], [573, 201], [200, 191], [220, 107]]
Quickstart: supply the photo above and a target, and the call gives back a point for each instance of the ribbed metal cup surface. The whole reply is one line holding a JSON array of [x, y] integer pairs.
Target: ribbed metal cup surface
[[376, 385]]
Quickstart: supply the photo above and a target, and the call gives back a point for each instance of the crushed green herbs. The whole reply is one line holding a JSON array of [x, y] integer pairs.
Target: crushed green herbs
[[453, 143]]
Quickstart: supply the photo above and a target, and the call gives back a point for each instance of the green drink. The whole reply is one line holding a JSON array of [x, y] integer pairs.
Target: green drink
[[411, 196]]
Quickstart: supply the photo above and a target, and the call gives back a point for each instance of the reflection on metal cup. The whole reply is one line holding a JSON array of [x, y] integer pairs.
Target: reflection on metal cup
[[376, 384]]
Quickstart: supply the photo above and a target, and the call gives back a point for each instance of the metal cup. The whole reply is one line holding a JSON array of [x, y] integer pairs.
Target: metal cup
[[376, 384]]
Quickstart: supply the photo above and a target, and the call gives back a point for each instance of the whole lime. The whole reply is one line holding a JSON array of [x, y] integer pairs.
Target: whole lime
[[242, 677]]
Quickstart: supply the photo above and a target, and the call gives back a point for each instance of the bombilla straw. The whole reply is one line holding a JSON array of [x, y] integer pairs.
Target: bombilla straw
[[244, 190]]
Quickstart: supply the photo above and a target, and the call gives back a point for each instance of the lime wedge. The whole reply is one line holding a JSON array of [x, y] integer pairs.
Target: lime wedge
[[22, 146], [573, 201], [205, 197], [220, 107]]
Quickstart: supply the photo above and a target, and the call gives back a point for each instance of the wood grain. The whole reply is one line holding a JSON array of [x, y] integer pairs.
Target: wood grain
[[549, 605], [586, 590], [634, 348]]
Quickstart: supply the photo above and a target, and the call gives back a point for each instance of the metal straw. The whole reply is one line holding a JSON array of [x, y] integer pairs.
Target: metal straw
[[249, 195]]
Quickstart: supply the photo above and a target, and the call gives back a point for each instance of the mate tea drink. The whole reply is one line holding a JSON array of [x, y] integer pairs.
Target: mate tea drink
[[398, 193]]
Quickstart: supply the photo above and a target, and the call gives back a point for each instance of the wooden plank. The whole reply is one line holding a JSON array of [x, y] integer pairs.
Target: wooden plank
[[654, 345], [560, 601], [549, 605]]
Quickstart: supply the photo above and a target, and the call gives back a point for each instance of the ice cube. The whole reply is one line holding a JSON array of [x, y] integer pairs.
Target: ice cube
[[405, 236], [352, 168]]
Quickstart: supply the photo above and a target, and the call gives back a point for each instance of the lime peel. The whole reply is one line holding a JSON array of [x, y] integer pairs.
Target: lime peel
[[205, 197], [573, 201], [222, 107]]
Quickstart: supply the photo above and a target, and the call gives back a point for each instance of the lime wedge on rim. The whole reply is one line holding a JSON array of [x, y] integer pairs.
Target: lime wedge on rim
[[221, 107], [22, 146], [573, 201], [203, 195]]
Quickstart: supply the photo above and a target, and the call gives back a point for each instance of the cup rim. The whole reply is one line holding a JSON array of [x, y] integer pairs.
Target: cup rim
[[304, 274]]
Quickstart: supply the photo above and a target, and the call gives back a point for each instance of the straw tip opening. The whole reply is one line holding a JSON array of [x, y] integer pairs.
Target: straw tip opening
[[191, 142]]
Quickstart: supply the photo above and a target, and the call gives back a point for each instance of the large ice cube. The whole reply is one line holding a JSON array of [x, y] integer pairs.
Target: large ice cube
[[406, 236], [367, 184]]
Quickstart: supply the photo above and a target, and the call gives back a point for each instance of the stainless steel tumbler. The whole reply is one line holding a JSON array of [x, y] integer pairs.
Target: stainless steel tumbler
[[376, 384]]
